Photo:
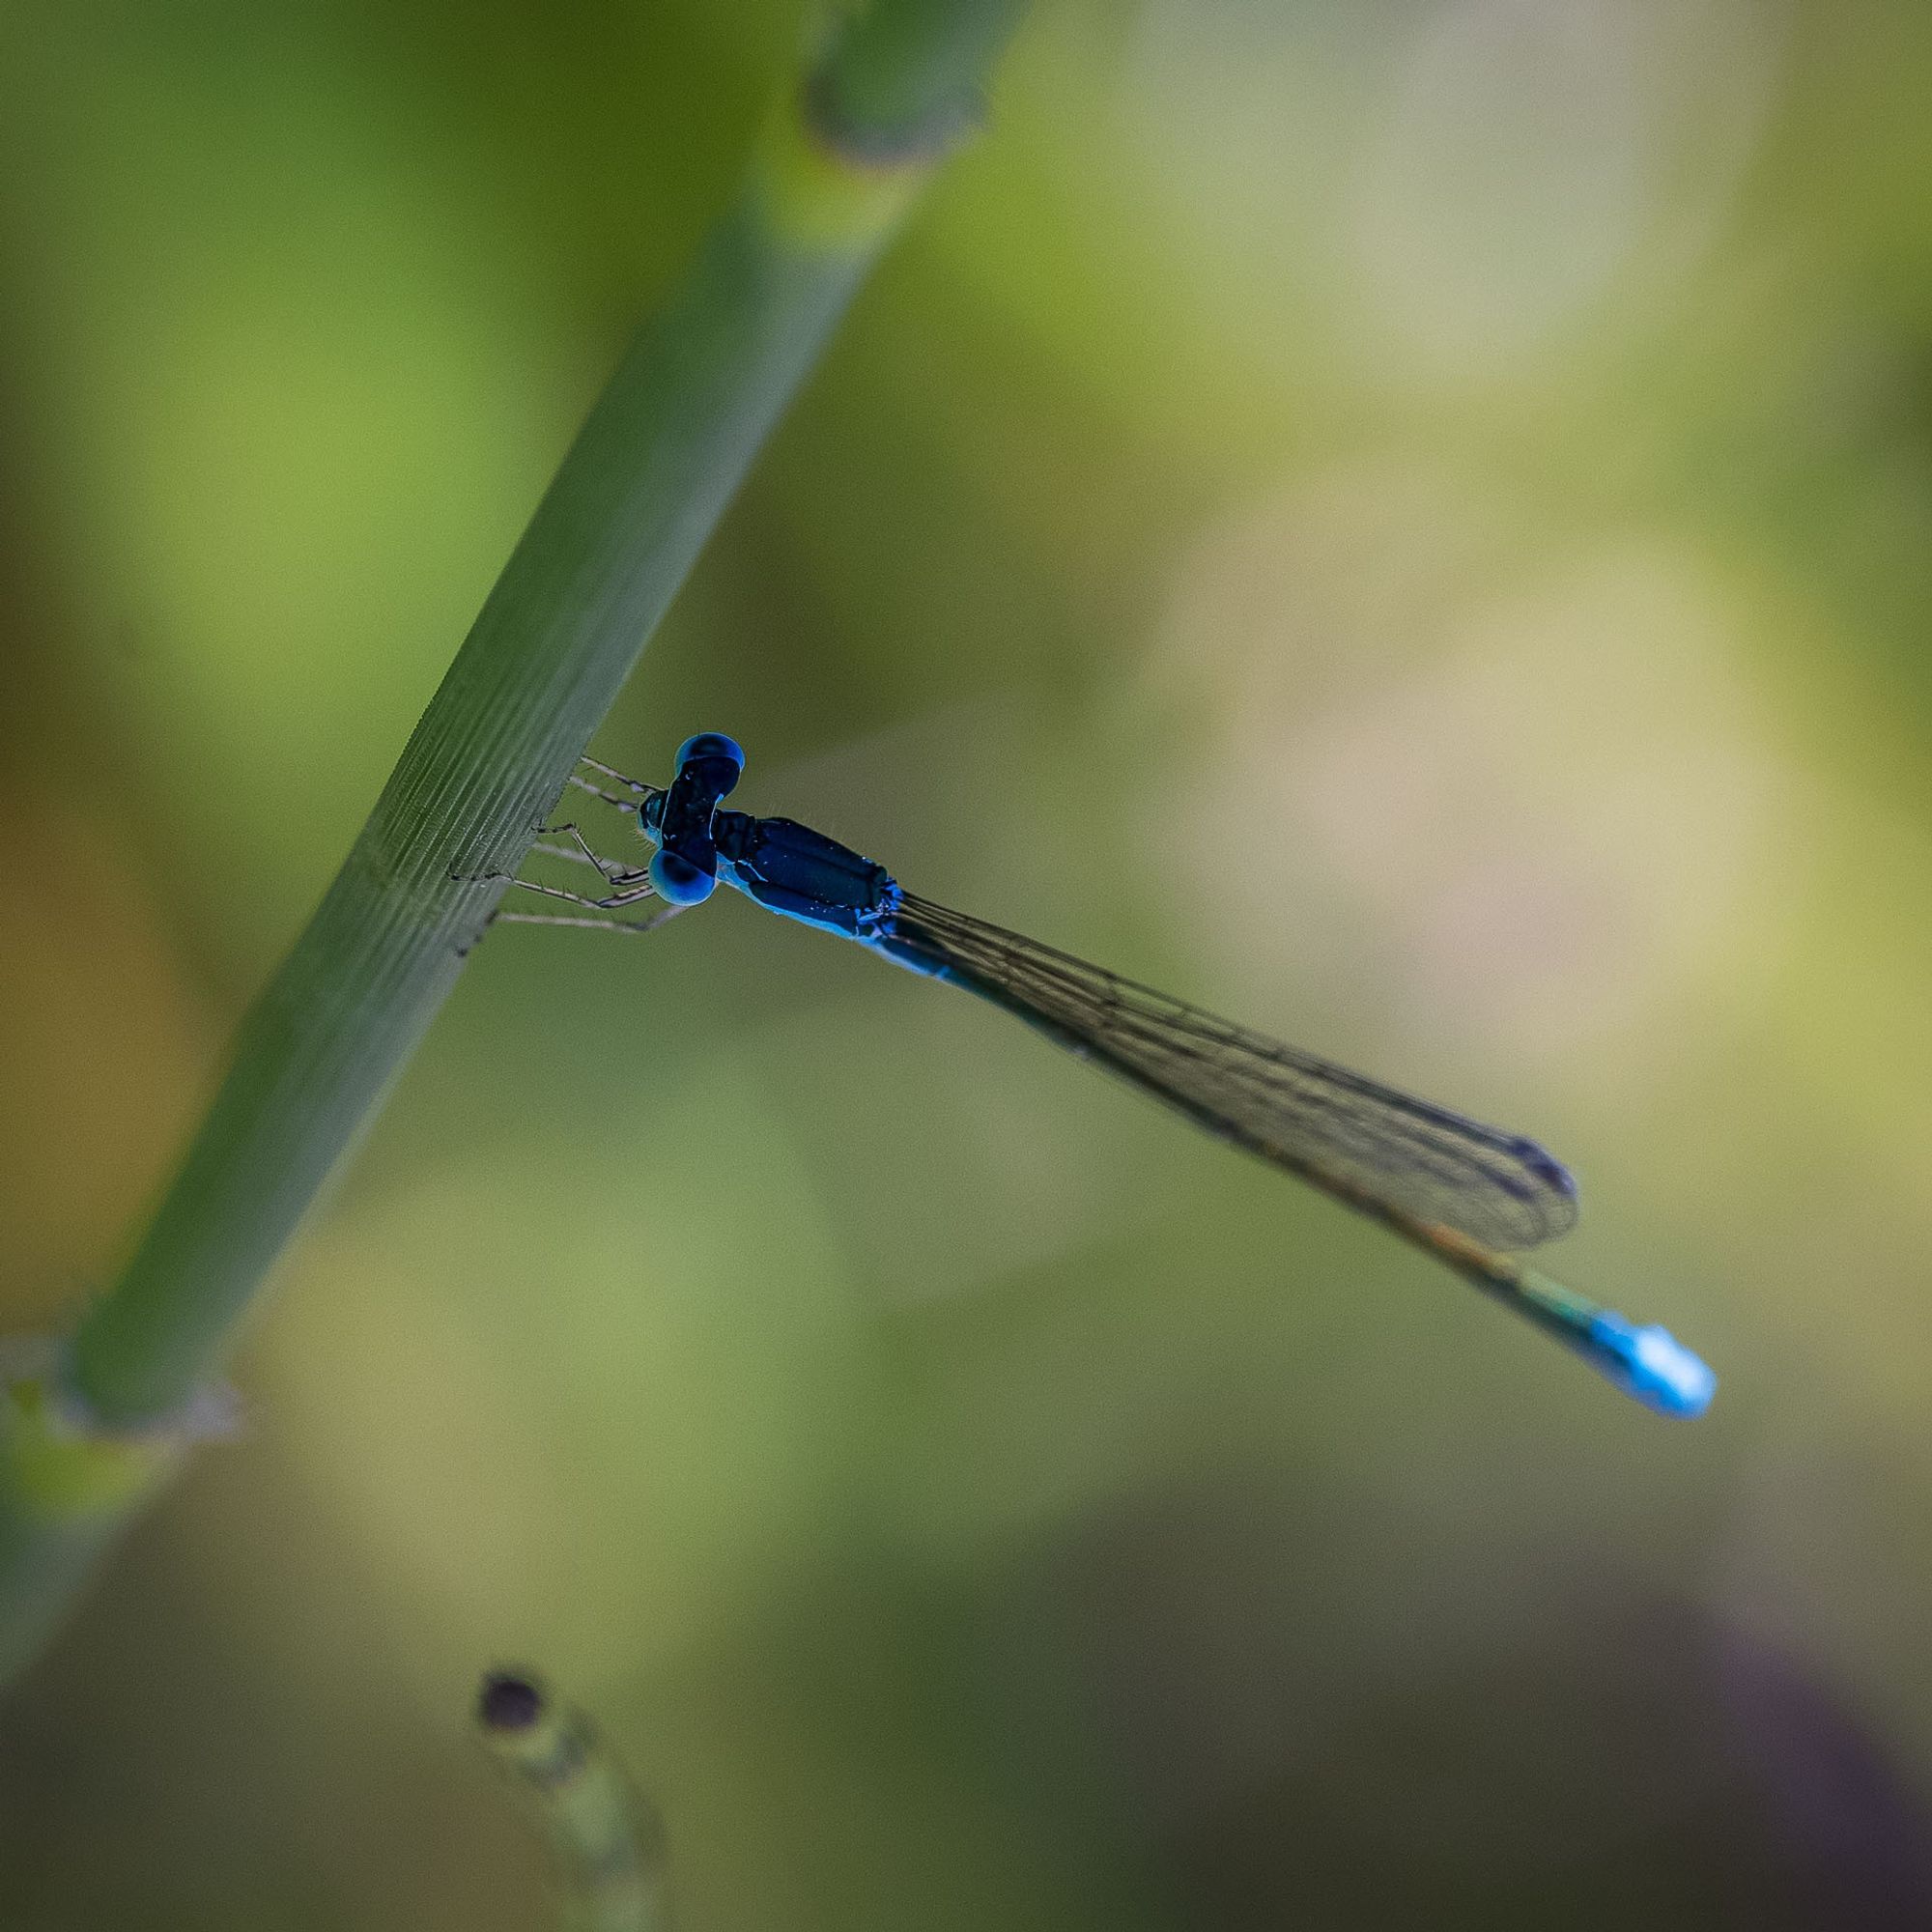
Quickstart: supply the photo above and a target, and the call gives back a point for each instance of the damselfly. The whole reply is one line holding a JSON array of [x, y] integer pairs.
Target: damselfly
[[1464, 1193]]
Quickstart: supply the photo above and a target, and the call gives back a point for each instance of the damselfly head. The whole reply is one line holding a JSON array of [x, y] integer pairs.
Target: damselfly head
[[685, 868]]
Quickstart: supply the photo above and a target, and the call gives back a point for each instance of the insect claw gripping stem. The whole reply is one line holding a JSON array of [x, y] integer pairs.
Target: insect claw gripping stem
[[630, 885]]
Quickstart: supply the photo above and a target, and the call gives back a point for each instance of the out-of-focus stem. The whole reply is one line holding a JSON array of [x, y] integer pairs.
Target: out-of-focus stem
[[606, 1837]]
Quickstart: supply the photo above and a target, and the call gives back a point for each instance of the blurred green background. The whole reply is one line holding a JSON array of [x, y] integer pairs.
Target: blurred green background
[[1407, 522]]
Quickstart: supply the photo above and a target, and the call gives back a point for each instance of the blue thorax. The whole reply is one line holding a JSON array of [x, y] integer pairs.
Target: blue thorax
[[804, 874], [785, 866]]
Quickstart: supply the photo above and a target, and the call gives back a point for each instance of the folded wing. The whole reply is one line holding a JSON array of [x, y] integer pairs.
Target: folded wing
[[1345, 1134]]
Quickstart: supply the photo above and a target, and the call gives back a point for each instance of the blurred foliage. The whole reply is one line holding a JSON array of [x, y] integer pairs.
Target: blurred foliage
[[1410, 523]]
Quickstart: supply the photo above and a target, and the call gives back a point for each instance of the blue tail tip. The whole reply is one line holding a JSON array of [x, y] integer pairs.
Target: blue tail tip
[[1652, 1365]]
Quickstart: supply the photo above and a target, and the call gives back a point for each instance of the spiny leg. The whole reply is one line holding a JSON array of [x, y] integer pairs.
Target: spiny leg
[[650, 924], [629, 806], [631, 886], [612, 772], [624, 805], [628, 894], [580, 853], [608, 868]]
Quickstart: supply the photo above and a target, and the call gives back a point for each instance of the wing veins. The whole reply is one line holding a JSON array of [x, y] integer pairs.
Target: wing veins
[[1301, 1112]]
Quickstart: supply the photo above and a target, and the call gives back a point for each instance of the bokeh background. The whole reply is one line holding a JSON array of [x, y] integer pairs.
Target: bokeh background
[[1407, 522]]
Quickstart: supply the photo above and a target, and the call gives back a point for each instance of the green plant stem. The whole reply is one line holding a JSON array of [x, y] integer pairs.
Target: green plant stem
[[638, 493], [606, 1839], [907, 70]]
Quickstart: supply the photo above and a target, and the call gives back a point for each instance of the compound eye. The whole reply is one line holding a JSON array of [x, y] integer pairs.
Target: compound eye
[[678, 881], [713, 747]]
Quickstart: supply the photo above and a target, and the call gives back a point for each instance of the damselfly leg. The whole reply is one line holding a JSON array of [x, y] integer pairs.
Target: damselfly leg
[[632, 805], [628, 888], [583, 922], [579, 852], [628, 885]]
